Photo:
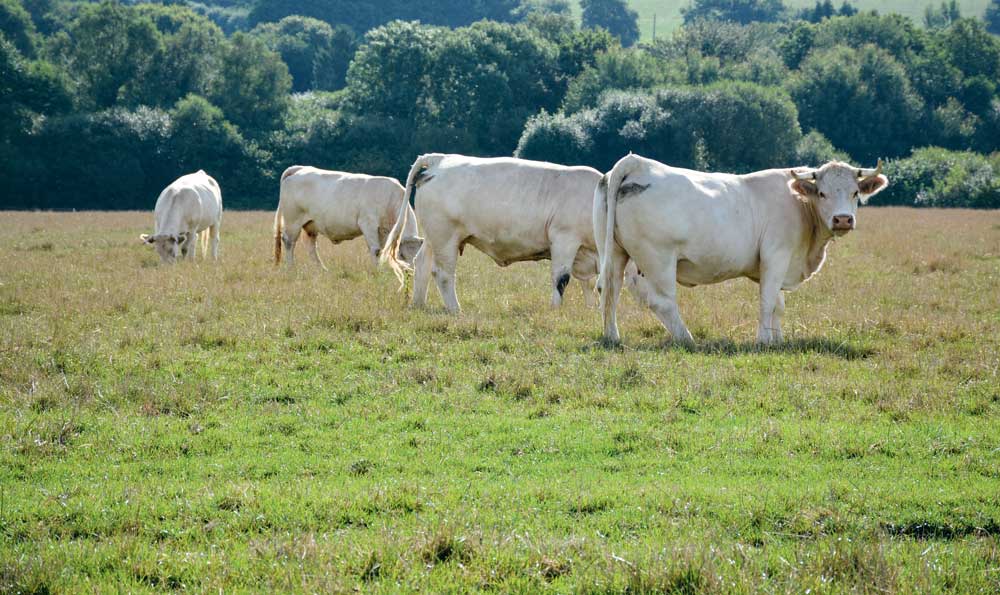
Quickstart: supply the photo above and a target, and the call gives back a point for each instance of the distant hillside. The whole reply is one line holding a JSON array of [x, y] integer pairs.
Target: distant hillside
[[668, 12]]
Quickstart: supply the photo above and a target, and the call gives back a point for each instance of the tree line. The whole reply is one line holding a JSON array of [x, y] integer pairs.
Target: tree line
[[103, 104]]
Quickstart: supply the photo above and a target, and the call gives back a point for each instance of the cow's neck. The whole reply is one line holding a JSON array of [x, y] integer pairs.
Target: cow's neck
[[817, 238]]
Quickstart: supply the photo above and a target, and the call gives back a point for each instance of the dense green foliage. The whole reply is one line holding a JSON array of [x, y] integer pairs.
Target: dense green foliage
[[936, 177], [613, 15], [740, 11], [317, 54], [732, 89], [726, 126]]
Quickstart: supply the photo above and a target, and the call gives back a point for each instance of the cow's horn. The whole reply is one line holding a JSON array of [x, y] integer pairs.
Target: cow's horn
[[808, 174], [869, 173]]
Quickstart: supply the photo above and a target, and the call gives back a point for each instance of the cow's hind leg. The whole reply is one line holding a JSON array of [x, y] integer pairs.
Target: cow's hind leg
[[369, 230], [563, 256], [312, 234], [216, 233], [663, 298], [443, 271], [289, 237], [423, 263]]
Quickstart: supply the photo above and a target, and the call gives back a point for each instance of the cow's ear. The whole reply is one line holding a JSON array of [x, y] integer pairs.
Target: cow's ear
[[871, 186], [804, 187], [146, 238]]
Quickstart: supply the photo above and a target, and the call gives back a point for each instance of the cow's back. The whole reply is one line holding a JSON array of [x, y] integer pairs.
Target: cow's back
[[713, 221], [337, 201], [192, 202], [507, 200]]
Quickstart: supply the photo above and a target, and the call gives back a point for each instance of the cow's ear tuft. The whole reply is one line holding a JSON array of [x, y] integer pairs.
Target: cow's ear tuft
[[871, 186], [146, 238], [805, 188]]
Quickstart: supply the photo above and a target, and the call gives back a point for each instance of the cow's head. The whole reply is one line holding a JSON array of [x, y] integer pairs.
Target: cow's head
[[834, 191], [168, 246], [408, 248]]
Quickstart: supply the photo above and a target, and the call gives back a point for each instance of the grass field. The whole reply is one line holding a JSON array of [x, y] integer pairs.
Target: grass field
[[668, 12], [233, 427]]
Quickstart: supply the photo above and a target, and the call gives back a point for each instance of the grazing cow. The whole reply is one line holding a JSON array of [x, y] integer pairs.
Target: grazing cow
[[694, 228], [341, 206], [191, 205], [513, 210]]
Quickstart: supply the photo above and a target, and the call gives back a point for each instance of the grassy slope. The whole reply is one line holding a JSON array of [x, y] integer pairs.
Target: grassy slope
[[235, 426], [668, 12]]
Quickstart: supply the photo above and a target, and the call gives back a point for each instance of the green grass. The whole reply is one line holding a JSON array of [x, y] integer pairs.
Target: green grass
[[236, 427], [668, 12]]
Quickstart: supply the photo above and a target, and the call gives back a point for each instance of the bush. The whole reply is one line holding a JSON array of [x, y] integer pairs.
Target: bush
[[935, 177], [728, 126], [815, 149]]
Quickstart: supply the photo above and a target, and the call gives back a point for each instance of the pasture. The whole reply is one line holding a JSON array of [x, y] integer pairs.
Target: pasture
[[238, 427], [668, 12]]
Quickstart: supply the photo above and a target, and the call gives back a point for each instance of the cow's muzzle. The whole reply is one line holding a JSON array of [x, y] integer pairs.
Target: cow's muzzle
[[842, 223]]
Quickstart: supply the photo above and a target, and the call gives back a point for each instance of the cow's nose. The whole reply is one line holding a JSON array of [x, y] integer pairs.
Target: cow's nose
[[841, 222]]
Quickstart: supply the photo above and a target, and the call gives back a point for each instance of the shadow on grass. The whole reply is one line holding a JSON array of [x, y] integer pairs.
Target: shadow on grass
[[728, 347]]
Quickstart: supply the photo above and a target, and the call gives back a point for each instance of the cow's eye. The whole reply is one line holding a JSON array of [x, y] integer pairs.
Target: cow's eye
[[856, 193], [822, 195]]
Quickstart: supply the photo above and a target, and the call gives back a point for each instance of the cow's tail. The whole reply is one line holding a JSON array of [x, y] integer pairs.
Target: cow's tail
[[278, 225], [625, 166], [406, 220]]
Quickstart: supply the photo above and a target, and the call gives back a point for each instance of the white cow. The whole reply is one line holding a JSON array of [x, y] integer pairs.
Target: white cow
[[694, 228], [191, 205], [513, 210], [341, 206]]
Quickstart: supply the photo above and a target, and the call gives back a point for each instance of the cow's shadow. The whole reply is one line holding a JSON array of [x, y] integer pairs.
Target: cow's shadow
[[728, 347]]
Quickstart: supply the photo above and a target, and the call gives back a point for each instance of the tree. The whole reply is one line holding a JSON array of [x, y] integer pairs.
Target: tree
[[945, 15], [993, 17], [581, 48], [486, 80], [726, 126], [971, 49], [389, 70], [107, 48], [740, 11], [17, 27], [331, 62], [27, 88], [305, 42], [860, 99], [847, 10], [619, 70], [186, 61], [252, 85], [613, 15], [201, 138], [364, 15]]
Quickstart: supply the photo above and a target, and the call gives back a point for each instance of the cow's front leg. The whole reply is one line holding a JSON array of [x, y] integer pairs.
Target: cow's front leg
[[369, 230], [563, 256], [189, 248], [772, 303], [777, 313]]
